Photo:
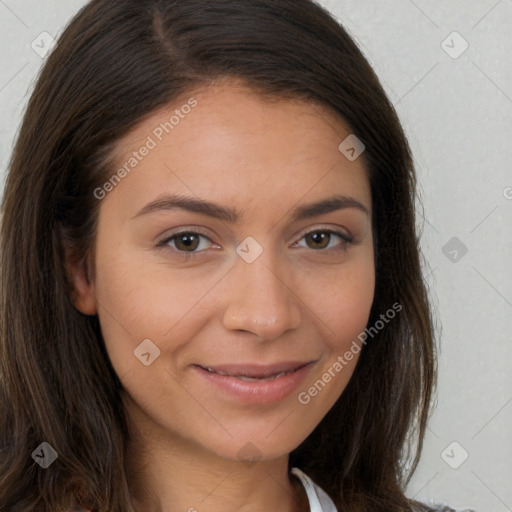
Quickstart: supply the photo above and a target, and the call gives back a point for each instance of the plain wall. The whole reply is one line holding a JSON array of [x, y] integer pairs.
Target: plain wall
[[456, 107]]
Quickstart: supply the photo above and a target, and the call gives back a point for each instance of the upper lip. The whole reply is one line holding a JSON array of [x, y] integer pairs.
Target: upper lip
[[254, 370]]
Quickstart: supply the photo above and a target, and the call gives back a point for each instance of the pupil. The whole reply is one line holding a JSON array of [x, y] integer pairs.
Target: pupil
[[188, 241], [318, 237]]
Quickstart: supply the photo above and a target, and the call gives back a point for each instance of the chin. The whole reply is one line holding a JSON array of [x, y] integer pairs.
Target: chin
[[252, 448]]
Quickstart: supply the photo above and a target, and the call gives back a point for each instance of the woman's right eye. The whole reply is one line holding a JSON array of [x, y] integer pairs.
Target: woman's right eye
[[187, 244], [184, 242]]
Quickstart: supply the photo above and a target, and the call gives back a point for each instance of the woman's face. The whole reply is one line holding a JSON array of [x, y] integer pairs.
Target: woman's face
[[197, 325]]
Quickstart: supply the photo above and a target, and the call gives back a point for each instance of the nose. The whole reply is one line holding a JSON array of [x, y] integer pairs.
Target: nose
[[261, 298]]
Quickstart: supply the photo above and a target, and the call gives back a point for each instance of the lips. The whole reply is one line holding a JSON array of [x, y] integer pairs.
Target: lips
[[251, 372], [250, 383]]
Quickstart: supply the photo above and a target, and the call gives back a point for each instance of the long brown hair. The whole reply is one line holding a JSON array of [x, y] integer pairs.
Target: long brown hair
[[114, 65]]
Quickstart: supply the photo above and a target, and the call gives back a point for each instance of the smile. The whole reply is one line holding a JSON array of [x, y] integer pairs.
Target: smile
[[253, 377], [255, 384]]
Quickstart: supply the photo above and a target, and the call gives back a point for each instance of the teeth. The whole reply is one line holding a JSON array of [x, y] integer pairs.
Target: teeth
[[244, 377], [241, 377]]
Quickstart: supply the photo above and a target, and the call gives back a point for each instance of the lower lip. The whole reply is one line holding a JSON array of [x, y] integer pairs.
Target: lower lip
[[256, 391]]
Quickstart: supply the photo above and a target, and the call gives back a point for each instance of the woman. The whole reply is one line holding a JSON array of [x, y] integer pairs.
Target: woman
[[211, 287]]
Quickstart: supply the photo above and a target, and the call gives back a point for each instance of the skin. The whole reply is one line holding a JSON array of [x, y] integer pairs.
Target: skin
[[294, 302]]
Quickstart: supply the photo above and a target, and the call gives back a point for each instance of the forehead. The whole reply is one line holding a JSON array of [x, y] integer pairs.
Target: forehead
[[231, 143]]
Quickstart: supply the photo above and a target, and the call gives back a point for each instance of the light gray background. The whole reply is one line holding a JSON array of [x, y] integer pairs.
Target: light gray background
[[457, 114]]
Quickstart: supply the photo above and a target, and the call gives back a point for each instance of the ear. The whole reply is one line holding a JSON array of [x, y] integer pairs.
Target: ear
[[81, 287], [82, 290]]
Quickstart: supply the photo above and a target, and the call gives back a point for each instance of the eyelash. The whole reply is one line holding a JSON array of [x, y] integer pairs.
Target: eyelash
[[347, 240]]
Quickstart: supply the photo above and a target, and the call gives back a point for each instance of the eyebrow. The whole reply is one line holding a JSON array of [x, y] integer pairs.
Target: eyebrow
[[231, 215]]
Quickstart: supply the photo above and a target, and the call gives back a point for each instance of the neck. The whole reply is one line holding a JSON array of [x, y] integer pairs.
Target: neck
[[170, 474]]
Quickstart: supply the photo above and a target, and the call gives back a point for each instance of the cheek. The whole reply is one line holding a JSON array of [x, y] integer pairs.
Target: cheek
[[344, 306], [344, 311], [141, 299], [133, 305]]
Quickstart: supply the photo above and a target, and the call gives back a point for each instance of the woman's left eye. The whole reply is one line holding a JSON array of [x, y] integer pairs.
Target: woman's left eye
[[320, 236], [188, 243]]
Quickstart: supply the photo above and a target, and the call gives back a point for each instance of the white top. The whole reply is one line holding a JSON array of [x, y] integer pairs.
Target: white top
[[319, 501]]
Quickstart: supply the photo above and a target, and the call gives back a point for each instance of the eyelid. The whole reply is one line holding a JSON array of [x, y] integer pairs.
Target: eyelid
[[347, 239], [336, 230], [195, 230]]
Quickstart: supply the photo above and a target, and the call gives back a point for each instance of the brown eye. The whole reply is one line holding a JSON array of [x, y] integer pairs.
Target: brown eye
[[186, 241], [321, 239]]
